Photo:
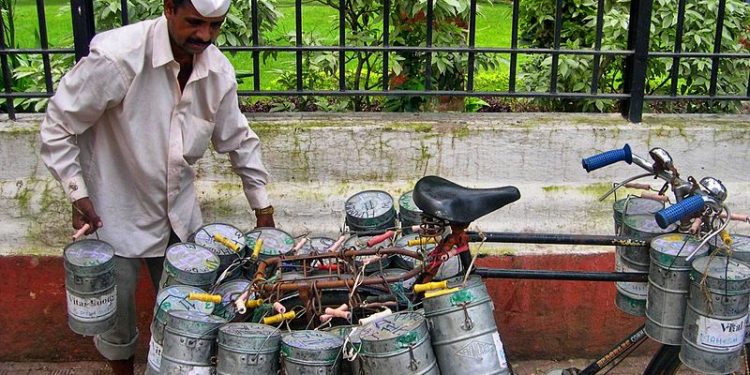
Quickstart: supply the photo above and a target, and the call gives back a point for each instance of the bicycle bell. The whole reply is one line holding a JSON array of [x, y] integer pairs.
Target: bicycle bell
[[714, 188], [662, 160]]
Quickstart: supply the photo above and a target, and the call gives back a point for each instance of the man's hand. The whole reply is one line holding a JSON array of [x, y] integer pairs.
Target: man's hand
[[264, 217], [84, 213]]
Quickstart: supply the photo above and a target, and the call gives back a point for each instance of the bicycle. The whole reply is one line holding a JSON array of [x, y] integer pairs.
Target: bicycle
[[447, 211]]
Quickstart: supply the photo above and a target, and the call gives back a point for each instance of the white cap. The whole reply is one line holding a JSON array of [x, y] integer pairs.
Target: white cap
[[211, 8]]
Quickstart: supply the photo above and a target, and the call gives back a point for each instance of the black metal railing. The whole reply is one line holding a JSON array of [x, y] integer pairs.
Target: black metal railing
[[636, 57]]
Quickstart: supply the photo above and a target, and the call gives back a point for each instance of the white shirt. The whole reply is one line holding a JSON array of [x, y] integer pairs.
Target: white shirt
[[119, 130]]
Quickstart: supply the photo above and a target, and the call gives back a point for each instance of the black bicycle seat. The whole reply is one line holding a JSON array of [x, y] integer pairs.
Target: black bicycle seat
[[446, 200]]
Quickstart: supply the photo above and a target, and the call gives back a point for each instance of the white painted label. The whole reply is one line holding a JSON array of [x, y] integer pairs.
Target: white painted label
[[725, 335], [202, 370], [500, 350], [154, 354], [93, 308]]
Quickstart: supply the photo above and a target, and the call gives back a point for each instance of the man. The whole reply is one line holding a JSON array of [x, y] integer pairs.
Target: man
[[122, 132]]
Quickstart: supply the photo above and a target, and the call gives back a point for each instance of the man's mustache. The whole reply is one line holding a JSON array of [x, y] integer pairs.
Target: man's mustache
[[198, 41]]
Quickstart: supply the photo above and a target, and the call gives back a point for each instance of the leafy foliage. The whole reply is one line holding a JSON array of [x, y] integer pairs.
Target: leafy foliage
[[575, 72]]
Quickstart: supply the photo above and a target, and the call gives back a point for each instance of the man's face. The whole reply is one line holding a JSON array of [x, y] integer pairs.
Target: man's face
[[189, 31]]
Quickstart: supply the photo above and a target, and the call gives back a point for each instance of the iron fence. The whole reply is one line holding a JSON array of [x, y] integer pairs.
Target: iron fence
[[636, 57]]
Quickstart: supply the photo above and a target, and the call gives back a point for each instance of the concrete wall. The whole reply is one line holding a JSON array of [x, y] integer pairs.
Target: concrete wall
[[317, 161]]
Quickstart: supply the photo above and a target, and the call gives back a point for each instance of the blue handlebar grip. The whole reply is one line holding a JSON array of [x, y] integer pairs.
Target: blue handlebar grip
[[686, 208], [606, 158]]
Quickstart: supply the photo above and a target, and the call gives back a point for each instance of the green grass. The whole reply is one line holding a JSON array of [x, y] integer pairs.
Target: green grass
[[493, 30]]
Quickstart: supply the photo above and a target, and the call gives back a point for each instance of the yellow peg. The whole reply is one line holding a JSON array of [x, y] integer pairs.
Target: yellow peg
[[253, 303], [204, 297], [726, 238], [257, 248], [227, 242], [273, 319], [419, 288], [435, 293], [420, 241]]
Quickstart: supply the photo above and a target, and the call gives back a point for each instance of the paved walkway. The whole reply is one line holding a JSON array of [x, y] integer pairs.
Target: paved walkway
[[631, 366]]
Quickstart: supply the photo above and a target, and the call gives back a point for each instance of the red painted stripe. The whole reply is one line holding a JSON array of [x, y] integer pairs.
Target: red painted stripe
[[537, 318]]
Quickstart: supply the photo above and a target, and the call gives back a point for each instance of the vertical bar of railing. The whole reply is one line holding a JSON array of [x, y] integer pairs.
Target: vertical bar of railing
[[717, 47], [298, 40], [256, 42], [124, 12], [44, 43], [598, 46], [513, 46], [428, 43], [472, 40], [342, 45], [82, 14], [386, 41], [556, 47], [7, 82], [674, 73], [634, 75], [748, 85]]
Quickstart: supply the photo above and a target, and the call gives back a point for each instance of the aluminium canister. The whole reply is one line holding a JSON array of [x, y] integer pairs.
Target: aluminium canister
[[170, 298], [714, 333], [90, 286], [189, 343], [740, 250], [310, 353], [247, 348], [190, 264], [633, 206], [313, 246], [409, 263], [463, 330], [229, 292], [408, 212], [398, 344], [206, 237], [370, 212], [351, 363], [276, 242], [668, 285], [631, 296]]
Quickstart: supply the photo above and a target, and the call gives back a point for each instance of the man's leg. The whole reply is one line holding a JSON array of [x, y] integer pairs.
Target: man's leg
[[118, 344]]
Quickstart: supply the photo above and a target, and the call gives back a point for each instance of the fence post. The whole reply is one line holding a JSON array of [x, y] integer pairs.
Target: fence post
[[634, 76], [82, 12]]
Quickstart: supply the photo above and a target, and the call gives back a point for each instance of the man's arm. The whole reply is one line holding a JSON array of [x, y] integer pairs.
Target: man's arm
[[93, 85], [233, 135]]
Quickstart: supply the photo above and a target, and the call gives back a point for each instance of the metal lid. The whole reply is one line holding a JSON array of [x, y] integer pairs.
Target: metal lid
[[88, 253], [193, 323], [637, 206], [175, 298], [229, 292], [316, 245], [397, 272], [192, 258], [407, 209], [739, 243], [671, 250], [369, 209], [205, 237], [721, 268], [312, 340], [645, 226], [249, 330], [352, 332], [392, 327], [275, 241]]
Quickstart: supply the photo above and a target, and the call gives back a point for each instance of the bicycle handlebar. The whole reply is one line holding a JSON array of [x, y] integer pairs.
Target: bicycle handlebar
[[606, 158], [681, 210]]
